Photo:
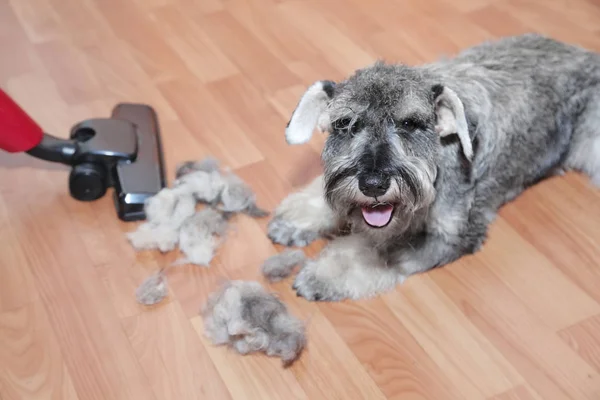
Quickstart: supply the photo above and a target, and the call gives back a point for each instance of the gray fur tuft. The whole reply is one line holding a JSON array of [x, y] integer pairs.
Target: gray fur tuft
[[280, 266], [152, 290], [208, 164], [243, 315], [199, 236]]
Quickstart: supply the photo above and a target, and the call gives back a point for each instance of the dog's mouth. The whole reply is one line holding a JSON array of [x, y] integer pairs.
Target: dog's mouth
[[377, 215]]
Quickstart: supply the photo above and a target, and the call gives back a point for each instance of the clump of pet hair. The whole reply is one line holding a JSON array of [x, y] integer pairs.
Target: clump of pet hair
[[205, 187], [171, 218], [212, 186], [237, 196], [197, 241], [153, 289], [199, 236], [243, 315], [209, 164], [169, 205], [165, 213], [150, 236], [282, 265]]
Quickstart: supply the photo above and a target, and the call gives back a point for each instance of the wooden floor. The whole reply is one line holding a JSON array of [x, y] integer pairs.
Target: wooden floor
[[519, 320]]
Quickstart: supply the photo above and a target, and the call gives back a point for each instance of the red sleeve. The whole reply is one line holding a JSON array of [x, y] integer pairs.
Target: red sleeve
[[18, 132]]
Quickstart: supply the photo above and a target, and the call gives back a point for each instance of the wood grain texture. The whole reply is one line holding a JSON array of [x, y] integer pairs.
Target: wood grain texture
[[519, 320], [31, 362]]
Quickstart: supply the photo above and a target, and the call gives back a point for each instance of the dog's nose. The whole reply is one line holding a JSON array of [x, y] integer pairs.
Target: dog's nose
[[373, 185]]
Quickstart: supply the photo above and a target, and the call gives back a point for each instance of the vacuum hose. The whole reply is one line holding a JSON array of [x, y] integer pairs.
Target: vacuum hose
[[18, 132]]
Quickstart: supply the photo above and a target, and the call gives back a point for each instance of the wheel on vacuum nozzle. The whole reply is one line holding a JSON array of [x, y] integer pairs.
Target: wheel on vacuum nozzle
[[87, 182]]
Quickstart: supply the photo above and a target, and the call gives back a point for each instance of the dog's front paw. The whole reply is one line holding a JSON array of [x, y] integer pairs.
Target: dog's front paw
[[313, 288], [282, 231]]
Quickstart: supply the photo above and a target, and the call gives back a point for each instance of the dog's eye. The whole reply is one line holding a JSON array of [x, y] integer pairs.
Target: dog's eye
[[411, 124], [346, 124], [341, 124]]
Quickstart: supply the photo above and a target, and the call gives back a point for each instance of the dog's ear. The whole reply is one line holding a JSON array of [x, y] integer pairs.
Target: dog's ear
[[308, 113], [451, 118]]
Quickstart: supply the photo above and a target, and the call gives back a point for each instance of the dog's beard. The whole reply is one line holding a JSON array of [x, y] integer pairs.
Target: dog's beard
[[392, 214]]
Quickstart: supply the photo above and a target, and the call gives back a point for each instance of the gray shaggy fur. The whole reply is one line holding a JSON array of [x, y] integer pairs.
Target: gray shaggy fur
[[212, 186], [197, 181], [280, 266], [443, 146], [199, 236], [205, 187], [165, 213], [237, 196], [152, 290], [243, 315], [208, 164]]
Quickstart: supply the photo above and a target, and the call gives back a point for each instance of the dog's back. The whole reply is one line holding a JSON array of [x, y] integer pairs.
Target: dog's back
[[533, 52], [536, 107]]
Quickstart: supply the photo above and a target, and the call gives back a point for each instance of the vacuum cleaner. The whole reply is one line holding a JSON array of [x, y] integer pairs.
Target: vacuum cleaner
[[123, 152]]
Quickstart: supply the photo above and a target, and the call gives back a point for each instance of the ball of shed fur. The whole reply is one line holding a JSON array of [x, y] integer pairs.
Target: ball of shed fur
[[149, 236], [210, 185], [165, 214], [237, 196], [170, 205], [152, 290], [197, 236], [280, 266], [205, 187], [209, 164], [243, 315]]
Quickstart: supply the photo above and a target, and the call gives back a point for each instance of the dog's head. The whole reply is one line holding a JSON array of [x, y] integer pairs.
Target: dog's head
[[380, 158]]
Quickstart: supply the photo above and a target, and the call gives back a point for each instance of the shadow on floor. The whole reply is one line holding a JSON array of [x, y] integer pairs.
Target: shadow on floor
[[24, 160]]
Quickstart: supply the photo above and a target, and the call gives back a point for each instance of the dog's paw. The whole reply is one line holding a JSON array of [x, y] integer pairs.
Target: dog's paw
[[309, 286], [284, 232]]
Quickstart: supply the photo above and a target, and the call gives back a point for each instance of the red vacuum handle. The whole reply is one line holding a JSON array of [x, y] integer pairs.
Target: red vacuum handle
[[18, 132]]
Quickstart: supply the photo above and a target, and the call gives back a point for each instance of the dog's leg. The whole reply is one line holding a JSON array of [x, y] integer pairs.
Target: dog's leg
[[302, 217], [584, 155], [348, 268]]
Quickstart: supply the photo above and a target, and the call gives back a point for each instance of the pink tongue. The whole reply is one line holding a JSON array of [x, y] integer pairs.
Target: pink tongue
[[378, 216]]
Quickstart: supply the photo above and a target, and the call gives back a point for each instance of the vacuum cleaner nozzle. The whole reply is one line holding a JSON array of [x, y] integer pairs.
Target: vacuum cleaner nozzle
[[134, 182], [123, 151]]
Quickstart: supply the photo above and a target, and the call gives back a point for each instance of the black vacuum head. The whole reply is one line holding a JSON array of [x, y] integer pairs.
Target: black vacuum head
[[136, 181], [124, 152]]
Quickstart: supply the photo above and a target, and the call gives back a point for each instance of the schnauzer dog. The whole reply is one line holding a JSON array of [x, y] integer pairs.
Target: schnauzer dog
[[419, 160]]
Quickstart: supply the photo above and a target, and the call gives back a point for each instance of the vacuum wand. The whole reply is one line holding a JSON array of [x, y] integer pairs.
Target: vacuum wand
[[123, 152], [55, 150]]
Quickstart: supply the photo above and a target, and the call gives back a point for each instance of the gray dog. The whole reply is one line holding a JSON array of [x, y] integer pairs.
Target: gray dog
[[419, 159]]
